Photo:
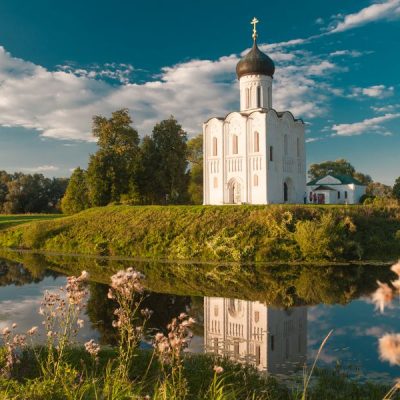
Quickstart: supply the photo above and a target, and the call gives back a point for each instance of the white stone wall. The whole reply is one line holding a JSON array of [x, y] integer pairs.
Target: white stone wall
[[354, 193], [271, 339], [249, 176], [248, 92]]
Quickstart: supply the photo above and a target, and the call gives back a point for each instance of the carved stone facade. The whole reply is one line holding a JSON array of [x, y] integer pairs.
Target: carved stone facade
[[271, 339]]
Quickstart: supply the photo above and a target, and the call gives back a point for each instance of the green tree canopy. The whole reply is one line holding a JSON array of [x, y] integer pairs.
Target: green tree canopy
[[396, 188], [170, 149], [112, 170], [195, 158], [338, 167], [25, 193], [76, 197]]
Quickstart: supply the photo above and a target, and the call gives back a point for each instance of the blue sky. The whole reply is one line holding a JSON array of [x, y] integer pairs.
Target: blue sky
[[337, 67]]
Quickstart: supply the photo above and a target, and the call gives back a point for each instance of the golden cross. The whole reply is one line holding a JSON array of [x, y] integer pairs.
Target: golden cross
[[254, 22]]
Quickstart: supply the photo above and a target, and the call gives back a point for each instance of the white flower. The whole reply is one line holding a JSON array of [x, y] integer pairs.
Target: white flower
[[84, 275], [396, 268], [389, 348], [80, 323], [32, 331], [382, 296]]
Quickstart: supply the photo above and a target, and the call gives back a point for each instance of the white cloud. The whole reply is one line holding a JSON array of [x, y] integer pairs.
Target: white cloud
[[376, 91], [351, 53], [367, 125], [388, 9], [40, 168], [389, 108], [60, 104], [313, 139]]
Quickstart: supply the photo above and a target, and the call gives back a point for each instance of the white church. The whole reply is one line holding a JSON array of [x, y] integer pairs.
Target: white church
[[249, 332], [255, 155]]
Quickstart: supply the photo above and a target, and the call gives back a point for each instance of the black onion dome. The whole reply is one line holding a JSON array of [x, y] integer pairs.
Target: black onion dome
[[255, 62]]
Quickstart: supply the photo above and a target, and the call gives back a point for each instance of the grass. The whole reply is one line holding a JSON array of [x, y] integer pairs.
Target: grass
[[219, 233], [8, 221]]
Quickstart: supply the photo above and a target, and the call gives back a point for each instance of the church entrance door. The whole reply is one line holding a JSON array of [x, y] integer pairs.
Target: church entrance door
[[235, 192]]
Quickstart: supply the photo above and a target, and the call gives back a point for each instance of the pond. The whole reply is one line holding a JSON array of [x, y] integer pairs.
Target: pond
[[272, 316]]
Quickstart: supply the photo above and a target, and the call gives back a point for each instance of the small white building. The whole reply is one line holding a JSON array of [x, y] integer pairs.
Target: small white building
[[273, 340], [335, 189], [256, 155]]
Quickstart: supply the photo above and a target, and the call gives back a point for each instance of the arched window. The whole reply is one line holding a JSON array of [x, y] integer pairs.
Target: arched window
[[234, 144], [215, 146], [285, 192], [255, 180], [215, 182], [258, 96], [298, 147], [256, 142], [285, 145], [271, 153]]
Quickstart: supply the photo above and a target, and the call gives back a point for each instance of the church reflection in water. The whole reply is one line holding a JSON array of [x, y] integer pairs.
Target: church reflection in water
[[272, 339]]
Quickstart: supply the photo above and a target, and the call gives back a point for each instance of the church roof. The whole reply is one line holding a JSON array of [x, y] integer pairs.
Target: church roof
[[343, 180], [323, 187], [255, 62], [279, 114]]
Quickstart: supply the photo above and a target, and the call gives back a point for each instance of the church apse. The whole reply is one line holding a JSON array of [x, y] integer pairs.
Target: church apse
[[273, 340]]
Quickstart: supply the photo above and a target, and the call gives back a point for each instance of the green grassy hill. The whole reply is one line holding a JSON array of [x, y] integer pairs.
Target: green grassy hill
[[219, 233], [7, 221]]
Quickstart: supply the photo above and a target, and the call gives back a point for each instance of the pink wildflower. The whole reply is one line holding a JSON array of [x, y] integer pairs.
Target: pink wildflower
[[382, 296], [218, 369], [32, 331], [92, 347], [389, 348]]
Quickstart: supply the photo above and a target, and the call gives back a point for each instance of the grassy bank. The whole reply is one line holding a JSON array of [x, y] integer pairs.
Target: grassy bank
[[219, 233], [8, 221]]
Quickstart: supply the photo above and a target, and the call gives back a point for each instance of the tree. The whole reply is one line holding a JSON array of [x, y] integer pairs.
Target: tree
[[396, 188], [112, 169], [76, 197], [377, 189], [4, 179], [338, 167], [28, 194], [148, 187], [195, 158], [171, 151]]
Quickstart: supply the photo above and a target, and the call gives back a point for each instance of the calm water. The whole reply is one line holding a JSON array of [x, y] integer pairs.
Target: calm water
[[271, 316]]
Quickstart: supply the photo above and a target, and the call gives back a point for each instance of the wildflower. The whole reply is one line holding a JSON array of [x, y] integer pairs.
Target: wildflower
[[14, 325], [84, 275], [41, 311], [218, 369], [6, 331], [50, 334], [92, 347], [126, 283], [382, 296], [396, 284], [80, 323], [396, 268], [146, 313], [169, 347], [182, 316], [32, 331], [389, 348]]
